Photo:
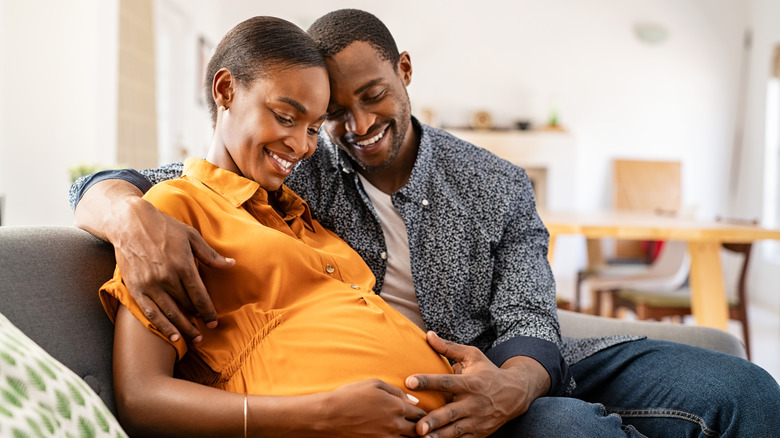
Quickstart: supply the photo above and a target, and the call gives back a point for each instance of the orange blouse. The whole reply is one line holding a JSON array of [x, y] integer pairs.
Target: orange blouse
[[296, 313]]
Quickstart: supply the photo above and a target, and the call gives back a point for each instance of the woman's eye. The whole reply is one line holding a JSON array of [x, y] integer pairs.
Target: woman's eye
[[314, 131], [283, 120]]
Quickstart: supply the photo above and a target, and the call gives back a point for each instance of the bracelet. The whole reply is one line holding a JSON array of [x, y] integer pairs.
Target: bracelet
[[245, 409]]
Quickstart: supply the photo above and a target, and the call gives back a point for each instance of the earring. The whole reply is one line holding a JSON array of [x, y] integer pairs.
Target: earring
[[222, 108]]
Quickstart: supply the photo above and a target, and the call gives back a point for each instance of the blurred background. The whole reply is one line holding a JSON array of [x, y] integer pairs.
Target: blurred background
[[90, 84]]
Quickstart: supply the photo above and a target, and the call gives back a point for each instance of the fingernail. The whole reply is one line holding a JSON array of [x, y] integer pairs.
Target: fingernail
[[174, 338], [231, 260], [425, 428], [197, 339], [212, 324], [412, 382], [414, 399]]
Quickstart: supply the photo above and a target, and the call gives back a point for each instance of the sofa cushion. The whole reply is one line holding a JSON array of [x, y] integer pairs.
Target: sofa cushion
[[49, 281], [39, 396]]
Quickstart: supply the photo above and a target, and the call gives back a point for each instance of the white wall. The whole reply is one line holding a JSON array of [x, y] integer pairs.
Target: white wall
[[619, 97], [517, 59], [765, 23], [56, 102]]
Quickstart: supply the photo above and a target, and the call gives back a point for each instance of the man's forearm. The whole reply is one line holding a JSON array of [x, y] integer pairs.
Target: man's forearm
[[102, 207]]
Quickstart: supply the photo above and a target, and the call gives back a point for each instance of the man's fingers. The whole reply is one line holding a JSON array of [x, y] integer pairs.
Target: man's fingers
[[166, 315], [206, 254], [448, 349], [198, 296], [194, 285], [444, 421], [434, 382]]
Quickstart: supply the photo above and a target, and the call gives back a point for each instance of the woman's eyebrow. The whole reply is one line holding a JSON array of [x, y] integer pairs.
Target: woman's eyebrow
[[294, 103]]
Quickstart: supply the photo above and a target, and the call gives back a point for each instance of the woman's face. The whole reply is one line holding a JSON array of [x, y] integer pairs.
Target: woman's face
[[272, 123]]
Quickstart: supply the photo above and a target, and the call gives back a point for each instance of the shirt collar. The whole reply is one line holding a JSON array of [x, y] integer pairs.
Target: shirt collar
[[238, 190]]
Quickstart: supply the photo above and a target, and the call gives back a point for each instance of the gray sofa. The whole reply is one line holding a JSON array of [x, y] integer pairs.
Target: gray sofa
[[50, 275]]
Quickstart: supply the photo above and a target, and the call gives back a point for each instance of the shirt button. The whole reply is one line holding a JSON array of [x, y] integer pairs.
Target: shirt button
[[329, 269], [425, 202], [383, 255], [345, 170], [354, 286]]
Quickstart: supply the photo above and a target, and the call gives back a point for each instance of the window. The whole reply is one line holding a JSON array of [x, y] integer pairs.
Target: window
[[772, 161]]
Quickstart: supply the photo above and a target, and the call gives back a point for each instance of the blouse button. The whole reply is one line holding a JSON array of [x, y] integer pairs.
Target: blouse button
[[354, 286], [383, 255], [329, 269], [425, 202]]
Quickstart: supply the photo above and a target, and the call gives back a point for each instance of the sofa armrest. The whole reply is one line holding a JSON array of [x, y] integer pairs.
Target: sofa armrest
[[578, 325]]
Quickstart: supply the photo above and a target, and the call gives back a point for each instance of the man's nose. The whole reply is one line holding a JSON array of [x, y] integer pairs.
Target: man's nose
[[359, 122]]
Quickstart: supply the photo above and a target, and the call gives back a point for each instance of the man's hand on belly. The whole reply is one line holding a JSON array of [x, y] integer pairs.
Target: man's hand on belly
[[485, 397]]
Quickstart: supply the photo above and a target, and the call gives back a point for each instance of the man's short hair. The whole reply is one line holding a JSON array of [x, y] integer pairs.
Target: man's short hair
[[334, 31]]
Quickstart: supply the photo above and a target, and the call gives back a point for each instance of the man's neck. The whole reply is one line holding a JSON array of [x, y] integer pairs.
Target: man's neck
[[393, 178]]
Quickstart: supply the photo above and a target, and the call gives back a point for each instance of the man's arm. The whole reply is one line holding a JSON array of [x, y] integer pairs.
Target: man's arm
[[150, 401], [525, 361], [155, 252]]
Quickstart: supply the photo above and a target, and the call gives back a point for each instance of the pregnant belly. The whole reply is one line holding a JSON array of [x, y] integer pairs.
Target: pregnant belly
[[324, 342]]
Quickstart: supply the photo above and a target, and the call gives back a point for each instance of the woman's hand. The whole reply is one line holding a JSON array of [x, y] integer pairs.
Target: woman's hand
[[371, 408]]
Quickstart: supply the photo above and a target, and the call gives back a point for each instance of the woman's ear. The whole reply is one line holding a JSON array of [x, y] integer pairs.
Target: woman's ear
[[222, 87]]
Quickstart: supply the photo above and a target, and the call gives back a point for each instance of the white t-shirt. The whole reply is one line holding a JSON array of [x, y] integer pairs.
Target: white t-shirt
[[398, 287]]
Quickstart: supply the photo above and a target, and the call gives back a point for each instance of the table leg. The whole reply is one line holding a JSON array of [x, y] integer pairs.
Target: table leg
[[551, 249], [708, 295]]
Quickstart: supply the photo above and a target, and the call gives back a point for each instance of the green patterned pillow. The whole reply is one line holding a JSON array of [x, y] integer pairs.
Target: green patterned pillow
[[40, 397]]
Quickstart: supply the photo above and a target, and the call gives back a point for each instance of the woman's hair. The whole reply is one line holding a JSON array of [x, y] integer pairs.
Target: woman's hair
[[258, 47], [334, 31]]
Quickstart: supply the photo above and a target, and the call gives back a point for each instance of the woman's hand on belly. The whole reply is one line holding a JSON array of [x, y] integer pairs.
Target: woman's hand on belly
[[370, 408]]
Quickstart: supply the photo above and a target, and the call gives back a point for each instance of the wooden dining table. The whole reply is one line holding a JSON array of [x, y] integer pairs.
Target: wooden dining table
[[709, 303]]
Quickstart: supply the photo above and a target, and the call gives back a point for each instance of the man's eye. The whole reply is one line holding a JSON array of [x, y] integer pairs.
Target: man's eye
[[335, 114], [375, 97], [314, 131]]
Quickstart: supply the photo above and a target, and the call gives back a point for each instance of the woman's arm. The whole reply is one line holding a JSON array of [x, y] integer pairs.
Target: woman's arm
[[151, 402]]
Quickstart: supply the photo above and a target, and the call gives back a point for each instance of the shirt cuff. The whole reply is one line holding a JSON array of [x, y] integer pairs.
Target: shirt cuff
[[544, 352], [130, 175]]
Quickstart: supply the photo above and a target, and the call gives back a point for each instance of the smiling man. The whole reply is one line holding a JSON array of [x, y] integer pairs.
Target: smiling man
[[452, 235]]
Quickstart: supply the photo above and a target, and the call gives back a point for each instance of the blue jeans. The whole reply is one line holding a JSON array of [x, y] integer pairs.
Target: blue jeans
[[658, 389]]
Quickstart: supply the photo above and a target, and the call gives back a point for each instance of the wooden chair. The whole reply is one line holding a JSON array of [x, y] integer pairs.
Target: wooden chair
[[640, 186], [657, 305]]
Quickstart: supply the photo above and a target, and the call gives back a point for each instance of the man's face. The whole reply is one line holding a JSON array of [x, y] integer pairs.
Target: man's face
[[369, 115]]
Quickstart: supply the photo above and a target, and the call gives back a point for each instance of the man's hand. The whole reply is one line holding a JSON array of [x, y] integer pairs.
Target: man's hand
[[485, 397], [371, 408], [155, 254]]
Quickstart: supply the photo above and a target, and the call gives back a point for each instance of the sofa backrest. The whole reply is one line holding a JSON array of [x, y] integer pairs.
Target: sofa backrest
[[49, 281]]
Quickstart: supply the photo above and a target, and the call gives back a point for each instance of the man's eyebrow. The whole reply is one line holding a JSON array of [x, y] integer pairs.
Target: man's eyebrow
[[293, 103], [368, 85]]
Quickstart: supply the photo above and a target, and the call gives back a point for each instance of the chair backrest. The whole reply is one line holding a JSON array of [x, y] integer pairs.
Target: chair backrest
[[667, 273], [647, 186], [644, 186], [744, 250], [49, 281]]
